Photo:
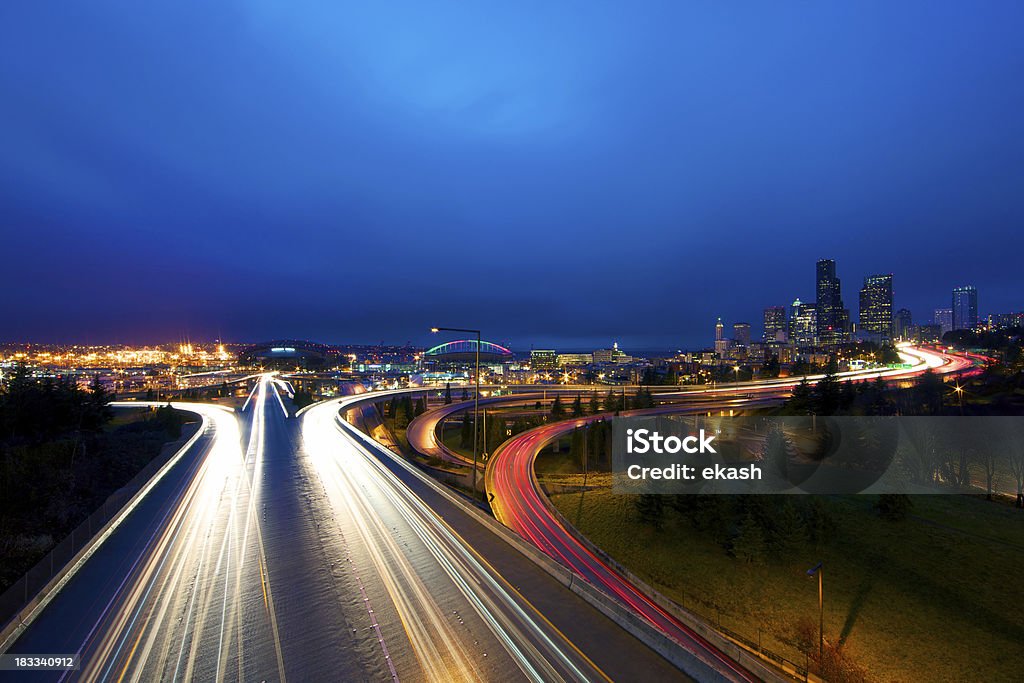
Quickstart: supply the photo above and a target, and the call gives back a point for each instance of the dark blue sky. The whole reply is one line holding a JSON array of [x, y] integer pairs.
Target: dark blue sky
[[557, 173]]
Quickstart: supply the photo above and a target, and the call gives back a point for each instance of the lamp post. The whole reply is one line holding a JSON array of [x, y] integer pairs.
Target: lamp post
[[960, 395], [476, 396], [817, 569]]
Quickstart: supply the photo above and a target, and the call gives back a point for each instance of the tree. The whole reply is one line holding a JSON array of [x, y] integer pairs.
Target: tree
[[611, 401], [771, 366], [801, 367], [577, 406], [466, 431], [826, 391], [421, 405], [643, 399], [598, 440], [1017, 467], [819, 522], [495, 433], [787, 530], [651, 508], [576, 446], [595, 403], [893, 506], [847, 395], [802, 400], [888, 355], [749, 545], [448, 393], [879, 402], [97, 411], [557, 409], [988, 462], [775, 455], [928, 393], [405, 412]]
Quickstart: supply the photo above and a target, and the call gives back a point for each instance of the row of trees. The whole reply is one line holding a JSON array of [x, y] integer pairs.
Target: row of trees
[[830, 396], [403, 410], [33, 410], [60, 458], [750, 528], [612, 402]]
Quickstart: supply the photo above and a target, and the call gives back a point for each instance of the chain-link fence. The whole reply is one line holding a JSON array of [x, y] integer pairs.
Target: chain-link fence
[[55, 563]]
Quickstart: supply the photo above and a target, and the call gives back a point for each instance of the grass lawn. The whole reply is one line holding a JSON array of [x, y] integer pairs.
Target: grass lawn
[[938, 596]]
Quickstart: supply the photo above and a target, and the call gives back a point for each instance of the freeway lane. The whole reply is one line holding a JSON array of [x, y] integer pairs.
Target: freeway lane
[[538, 621], [441, 604], [164, 574], [422, 431]]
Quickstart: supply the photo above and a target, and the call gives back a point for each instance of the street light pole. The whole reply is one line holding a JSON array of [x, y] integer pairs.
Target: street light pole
[[818, 569], [476, 396]]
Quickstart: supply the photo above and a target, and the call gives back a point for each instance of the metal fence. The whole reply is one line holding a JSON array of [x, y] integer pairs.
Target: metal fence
[[60, 557]]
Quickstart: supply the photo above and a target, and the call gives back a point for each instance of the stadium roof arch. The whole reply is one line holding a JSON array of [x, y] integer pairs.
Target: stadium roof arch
[[464, 350]]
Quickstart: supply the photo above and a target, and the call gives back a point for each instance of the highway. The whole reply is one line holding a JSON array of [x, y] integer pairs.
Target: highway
[[519, 502], [275, 548], [458, 597], [435, 605], [422, 431], [166, 593]]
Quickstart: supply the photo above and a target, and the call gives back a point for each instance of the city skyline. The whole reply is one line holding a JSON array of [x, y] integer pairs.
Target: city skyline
[[774, 318], [340, 177]]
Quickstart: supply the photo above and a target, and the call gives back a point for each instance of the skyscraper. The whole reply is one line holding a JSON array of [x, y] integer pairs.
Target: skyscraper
[[775, 324], [805, 324], [741, 334], [876, 307], [965, 308], [902, 322], [830, 304], [944, 319]]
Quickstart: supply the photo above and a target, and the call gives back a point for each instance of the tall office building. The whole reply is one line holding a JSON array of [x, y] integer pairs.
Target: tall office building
[[775, 324], [794, 311], [831, 328], [805, 324], [965, 308], [876, 307], [901, 323], [719, 327], [944, 319], [741, 334]]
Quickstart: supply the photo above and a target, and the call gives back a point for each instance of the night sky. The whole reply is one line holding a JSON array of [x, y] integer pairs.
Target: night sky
[[555, 173]]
